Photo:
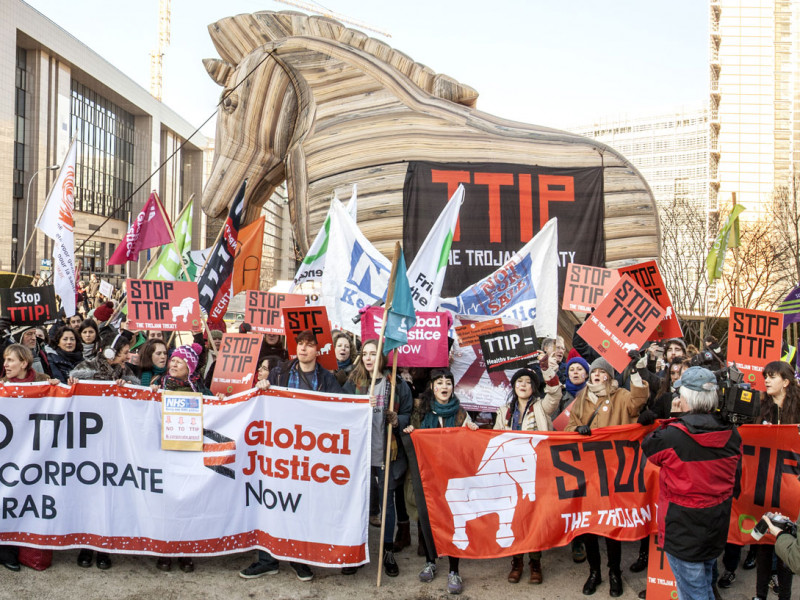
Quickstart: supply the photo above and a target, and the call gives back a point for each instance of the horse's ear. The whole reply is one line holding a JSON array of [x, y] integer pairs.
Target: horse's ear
[[218, 70]]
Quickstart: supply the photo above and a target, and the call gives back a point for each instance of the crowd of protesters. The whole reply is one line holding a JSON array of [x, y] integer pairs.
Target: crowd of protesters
[[578, 382]]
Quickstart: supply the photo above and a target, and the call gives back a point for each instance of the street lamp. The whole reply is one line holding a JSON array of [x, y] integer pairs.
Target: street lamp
[[28, 202]]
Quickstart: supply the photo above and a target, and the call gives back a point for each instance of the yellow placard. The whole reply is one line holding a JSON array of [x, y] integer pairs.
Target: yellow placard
[[181, 421]]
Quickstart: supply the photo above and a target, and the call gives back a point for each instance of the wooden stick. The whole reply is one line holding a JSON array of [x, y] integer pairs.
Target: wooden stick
[[387, 306]]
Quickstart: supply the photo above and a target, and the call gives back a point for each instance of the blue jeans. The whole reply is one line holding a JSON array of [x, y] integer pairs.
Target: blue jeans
[[693, 579]]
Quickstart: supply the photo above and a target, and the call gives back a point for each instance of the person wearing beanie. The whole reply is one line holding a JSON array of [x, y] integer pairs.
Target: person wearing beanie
[[104, 312], [303, 373], [577, 376], [527, 410], [602, 403]]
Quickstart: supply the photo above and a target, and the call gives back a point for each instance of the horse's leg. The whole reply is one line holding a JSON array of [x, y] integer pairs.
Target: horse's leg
[[460, 539], [505, 536]]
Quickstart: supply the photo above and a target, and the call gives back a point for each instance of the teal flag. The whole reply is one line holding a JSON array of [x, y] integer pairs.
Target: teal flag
[[401, 316]]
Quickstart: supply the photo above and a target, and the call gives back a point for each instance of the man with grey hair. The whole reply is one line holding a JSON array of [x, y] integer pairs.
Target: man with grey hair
[[700, 460]]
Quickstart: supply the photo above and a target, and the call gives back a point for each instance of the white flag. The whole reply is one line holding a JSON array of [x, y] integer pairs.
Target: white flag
[[56, 222], [356, 275], [313, 264], [426, 273], [525, 288]]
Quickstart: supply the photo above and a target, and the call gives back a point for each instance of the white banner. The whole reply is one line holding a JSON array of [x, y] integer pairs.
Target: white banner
[[286, 471]]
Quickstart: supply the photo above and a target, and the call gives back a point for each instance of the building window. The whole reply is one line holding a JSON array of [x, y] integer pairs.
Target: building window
[[18, 187], [104, 170]]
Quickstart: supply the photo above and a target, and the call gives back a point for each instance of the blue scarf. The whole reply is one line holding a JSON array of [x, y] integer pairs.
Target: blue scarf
[[571, 387], [447, 412]]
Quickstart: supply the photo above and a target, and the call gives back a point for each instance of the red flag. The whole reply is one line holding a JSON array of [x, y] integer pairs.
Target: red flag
[[147, 231], [247, 263]]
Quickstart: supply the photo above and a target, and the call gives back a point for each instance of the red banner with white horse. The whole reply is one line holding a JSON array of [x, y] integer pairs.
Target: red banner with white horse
[[497, 493]]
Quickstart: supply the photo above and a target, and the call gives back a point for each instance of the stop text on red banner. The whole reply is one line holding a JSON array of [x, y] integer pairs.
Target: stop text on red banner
[[163, 305], [263, 310]]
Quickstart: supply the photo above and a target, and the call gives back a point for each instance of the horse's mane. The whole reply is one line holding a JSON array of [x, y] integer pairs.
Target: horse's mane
[[236, 37]]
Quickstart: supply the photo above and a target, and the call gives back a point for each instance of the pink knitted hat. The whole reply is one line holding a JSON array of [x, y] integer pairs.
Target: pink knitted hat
[[190, 355]]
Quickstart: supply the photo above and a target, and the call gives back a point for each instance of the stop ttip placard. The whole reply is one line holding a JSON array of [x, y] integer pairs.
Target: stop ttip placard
[[754, 339], [163, 305], [236, 364]]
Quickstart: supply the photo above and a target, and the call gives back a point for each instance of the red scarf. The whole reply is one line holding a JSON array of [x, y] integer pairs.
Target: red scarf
[[30, 376]]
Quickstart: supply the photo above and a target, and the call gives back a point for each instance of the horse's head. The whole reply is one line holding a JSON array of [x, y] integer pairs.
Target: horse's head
[[517, 454]]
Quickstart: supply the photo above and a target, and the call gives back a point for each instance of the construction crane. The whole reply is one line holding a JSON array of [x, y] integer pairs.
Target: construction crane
[[326, 13], [157, 55]]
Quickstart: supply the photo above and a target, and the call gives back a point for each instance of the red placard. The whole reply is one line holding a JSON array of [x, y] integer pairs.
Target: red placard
[[236, 364], [315, 318], [660, 580], [621, 322], [754, 339], [427, 340], [648, 276], [585, 287], [263, 310], [468, 334], [163, 305]]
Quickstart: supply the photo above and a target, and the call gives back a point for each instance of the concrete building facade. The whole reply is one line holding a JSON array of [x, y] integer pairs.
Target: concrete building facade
[[53, 89]]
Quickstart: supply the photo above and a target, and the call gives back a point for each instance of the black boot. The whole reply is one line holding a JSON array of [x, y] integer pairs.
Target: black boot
[[590, 587], [614, 584], [641, 563]]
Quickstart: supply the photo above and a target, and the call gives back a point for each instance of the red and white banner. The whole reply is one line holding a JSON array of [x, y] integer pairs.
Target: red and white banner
[[427, 339], [497, 493], [147, 231], [263, 310], [163, 305], [236, 364], [649, 278], [274, 468]]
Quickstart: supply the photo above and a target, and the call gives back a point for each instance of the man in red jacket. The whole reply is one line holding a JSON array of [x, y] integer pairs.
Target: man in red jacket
[[700, 460]]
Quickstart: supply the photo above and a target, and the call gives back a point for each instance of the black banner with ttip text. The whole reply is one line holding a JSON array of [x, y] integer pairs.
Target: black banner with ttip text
[[29, 306], [504, 206]]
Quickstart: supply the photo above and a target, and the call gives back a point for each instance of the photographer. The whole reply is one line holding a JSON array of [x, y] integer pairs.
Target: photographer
[[700, 460], [779, 406], [786, 546]]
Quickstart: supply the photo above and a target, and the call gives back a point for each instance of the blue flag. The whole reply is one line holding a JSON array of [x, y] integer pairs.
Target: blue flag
[[401, 316]]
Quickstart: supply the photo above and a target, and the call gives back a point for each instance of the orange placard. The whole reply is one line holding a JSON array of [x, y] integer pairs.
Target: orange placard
[[236, 364], [163, 305], [468, 334], [263, 310], [621, 322], [660, 580], [648, 276], [585, 286], [754, 339], [315, 318]]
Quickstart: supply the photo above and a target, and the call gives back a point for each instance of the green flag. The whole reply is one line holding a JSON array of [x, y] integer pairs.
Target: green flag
[[715, 260], [168, 265]]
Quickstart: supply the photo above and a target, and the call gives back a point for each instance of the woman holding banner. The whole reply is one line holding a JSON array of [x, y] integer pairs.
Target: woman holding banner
[[440, 407], [359, 383], [64, 352], [524, 412], [779, 406], [108, 365], [602, 404]]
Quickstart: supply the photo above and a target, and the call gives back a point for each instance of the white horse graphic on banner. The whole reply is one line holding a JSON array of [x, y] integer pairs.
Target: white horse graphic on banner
[[509, 461]]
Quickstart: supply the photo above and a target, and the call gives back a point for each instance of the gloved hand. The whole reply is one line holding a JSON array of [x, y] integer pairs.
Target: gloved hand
[[634, 355], [584, 430], [646, 417], [391, 418]]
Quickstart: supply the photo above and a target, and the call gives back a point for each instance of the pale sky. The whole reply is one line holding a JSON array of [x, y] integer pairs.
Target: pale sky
[[544, 62]]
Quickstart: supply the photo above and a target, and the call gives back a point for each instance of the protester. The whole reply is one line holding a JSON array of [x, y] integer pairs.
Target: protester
[[29, 338], [152, 362], [577, 375], [359, 382], [302, 373], [601, 404], [345, 354], [109, 365], [182, 375], [440, 407], [557, 348], [273, 346], [700, 458], [64, 353], [103, 313], [526, 411], [90, 338], [779, 406], [17, 361]]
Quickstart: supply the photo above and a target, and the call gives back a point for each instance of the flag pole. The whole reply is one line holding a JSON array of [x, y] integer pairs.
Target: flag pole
[[183, 268], [386, 464]]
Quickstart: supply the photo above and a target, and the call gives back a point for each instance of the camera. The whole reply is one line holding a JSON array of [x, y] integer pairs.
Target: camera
[[704, 358], [738, 403], [783, 523]]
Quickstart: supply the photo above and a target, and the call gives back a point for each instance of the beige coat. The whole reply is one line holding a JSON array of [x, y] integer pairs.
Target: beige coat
[[621, 407], [538, 416]]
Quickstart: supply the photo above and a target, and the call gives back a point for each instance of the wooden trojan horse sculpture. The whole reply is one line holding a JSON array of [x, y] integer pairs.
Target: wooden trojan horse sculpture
[[324, 106]]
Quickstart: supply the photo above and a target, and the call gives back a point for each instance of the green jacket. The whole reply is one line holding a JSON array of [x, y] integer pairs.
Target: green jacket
[[788, 550]]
